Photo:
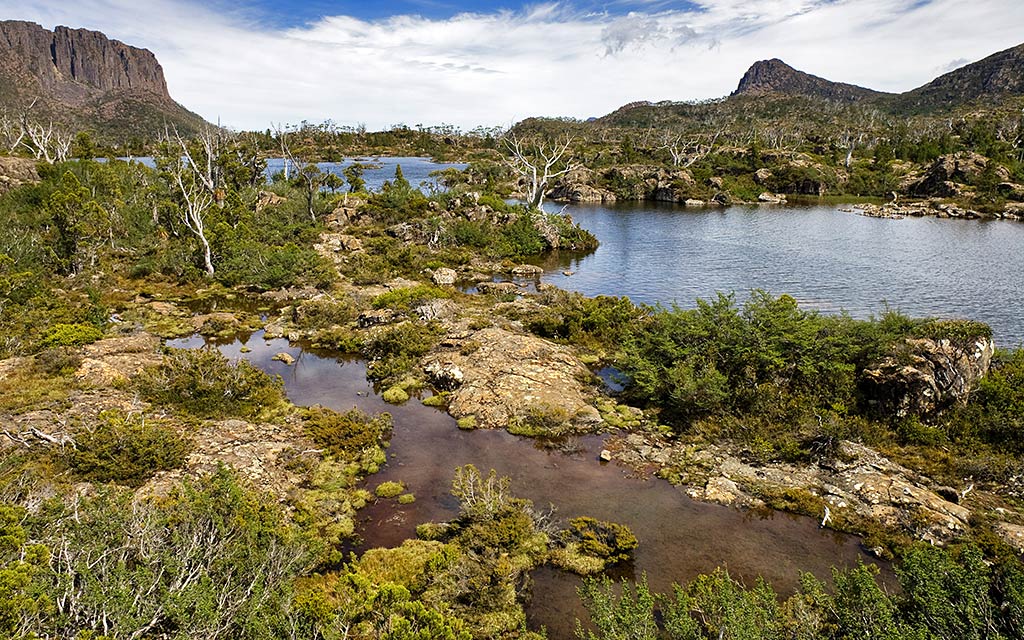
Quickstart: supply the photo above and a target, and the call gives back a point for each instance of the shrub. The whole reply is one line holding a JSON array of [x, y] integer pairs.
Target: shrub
[[206, 384], [389, 489], [324, 312], [127, 449], [394, 350], [345, 435], [408, 298], [70, 335], [608, 541], [58, 361]]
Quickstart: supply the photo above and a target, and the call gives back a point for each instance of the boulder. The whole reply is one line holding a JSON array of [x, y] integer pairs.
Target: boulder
[[497, 288], [15, 172], [444, 277], [377, 317], [925, 375], [284, 357], [771, 198], [527, 271], [945, 177], [444, 376]]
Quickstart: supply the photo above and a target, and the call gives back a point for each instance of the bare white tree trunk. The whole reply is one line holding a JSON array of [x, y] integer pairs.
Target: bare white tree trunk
[[538, 162], [197, 201]]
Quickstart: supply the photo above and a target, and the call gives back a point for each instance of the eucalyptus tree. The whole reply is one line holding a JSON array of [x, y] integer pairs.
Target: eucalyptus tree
[[537, 161]]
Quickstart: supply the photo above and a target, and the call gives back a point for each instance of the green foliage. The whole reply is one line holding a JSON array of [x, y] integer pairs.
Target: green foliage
[[127, 449], [324, 312], [628, 615], [212, 560], [346, 435], [407, 298], [608, 541], [389, 489], [947, 594], [70, 335], [395, 350], [205, 384]]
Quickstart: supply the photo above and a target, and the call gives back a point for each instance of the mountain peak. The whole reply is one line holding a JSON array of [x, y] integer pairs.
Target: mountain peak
[[776, 77]]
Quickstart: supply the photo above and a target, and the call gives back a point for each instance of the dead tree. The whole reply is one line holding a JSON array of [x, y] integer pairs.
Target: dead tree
[[686, 150], [196, 202], [538, 161]]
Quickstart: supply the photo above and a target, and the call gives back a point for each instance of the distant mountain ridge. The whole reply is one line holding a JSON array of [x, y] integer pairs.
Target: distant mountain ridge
[[86, 79], [1000, 74]]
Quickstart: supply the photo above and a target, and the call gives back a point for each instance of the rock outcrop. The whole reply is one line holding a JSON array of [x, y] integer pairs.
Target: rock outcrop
[[495, 375], [15, 172], [925, 375], [947, 175], [860, 483]]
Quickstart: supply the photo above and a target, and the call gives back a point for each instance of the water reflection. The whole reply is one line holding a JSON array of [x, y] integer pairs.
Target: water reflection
[[827, 259], [679, 537]]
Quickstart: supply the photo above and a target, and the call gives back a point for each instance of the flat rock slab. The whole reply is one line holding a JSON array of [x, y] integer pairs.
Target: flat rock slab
[[503, 374]]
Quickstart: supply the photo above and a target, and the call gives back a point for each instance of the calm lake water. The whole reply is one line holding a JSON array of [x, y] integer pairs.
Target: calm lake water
[[679, 537], [416, 170], [827, 259]]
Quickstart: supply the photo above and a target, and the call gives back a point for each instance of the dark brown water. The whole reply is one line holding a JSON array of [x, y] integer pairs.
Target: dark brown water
[[679, 537]]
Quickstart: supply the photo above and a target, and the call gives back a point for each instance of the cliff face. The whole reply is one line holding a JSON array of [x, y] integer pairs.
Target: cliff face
[[83, 78], [65, 57], [775, 76]]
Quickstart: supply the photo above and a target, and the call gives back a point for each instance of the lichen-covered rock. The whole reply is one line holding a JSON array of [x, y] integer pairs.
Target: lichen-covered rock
[[15, 172], [503, 374], [925, 375], [444, 277]]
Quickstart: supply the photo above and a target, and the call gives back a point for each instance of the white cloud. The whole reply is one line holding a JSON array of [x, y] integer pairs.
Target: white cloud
[[548, 59]]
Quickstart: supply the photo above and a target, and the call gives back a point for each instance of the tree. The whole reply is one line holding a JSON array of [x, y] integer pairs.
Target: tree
[[354, 175], [195, 203], [307, 173], [67, 207], [538, 161]]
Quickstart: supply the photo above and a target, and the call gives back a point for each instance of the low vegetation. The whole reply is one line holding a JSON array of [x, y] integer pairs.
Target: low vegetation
[[943, 594]]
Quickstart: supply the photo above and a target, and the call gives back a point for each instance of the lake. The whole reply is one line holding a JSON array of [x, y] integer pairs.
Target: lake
[[829, 260]]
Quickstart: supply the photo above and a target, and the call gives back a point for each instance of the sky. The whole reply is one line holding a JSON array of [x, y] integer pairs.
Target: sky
[[251, 64]]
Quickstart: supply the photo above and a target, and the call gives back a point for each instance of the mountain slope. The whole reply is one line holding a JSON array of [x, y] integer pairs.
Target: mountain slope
[[999, 75], [84, 79], [776, 77]]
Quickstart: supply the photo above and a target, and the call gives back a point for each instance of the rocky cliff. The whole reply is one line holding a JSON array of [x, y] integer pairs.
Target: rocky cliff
[[85, 79]]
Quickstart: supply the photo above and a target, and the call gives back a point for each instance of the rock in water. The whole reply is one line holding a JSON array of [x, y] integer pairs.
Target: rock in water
[[286, 358]]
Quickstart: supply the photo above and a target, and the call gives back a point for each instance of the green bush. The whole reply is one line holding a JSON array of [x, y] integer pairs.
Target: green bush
[[127, 449], [206, 384], [345, 435], [70, 335], [395, 350], [408, 298], [389, 489], [324, 312], [609, 541]]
